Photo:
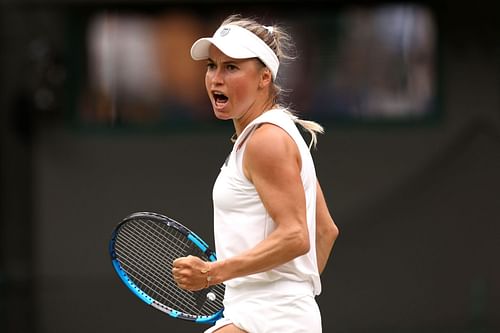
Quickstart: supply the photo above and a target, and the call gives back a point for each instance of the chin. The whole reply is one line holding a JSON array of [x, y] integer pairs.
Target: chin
[[222, 115]]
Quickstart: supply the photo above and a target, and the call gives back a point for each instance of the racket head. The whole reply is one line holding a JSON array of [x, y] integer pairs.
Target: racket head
[[142, 249]]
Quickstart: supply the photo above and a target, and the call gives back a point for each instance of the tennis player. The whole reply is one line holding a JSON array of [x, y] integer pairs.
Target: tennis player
[[273, 230]]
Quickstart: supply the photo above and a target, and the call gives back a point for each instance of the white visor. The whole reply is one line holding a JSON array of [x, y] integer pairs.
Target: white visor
[[238, 43]]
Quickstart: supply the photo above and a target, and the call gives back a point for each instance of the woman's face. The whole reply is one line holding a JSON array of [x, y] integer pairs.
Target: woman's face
[[234, 86]]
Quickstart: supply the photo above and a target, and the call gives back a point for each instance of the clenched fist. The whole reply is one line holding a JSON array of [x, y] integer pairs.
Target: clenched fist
[[191, 273]]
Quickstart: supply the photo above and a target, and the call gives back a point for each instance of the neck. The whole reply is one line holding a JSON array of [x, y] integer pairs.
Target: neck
[[241, 123]]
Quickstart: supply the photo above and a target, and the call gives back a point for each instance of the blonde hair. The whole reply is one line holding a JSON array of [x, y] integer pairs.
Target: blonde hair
[[281, 43]]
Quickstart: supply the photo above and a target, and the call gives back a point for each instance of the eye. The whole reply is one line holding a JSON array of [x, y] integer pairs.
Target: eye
[[211, 66], [231, 67]]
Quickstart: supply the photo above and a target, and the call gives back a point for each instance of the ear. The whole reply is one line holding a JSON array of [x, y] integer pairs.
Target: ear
[[266, 78]]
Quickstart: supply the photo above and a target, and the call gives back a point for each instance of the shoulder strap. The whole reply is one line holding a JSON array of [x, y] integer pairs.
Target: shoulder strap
[[266, 117]]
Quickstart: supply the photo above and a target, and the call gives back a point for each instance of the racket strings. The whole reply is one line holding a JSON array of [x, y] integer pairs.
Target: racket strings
[[140, 270], [138, 247], [186, 247], [150, 271]]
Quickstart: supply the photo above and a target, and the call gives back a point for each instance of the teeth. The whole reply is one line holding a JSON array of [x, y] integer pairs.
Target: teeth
[[220, 98]]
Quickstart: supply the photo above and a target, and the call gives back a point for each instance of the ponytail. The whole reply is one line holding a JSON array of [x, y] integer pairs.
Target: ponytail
[[312, 127]]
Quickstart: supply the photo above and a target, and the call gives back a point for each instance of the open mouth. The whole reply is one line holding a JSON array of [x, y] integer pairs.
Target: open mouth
[[220, 99]]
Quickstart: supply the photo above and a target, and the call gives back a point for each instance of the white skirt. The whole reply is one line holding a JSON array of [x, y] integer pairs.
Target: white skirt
[[270, 307]]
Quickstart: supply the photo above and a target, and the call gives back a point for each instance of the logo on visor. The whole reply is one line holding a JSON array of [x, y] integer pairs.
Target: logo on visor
[[224, 32]]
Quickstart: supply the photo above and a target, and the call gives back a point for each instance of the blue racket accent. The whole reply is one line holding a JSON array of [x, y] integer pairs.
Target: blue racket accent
[[131, 285], [198, 241], [210, 319], [202, 245]]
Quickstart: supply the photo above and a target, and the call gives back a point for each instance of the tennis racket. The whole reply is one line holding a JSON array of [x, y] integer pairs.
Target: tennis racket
[[143, 247]]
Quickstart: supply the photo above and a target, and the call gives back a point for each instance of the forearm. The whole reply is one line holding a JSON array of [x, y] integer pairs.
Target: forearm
[[324, 246], [280, 247], [326, 230]]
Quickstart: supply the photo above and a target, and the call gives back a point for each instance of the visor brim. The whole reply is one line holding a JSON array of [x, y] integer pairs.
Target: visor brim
[[200, 49]]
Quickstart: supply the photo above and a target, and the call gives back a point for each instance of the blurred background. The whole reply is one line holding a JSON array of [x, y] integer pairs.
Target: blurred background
[[103, 113]]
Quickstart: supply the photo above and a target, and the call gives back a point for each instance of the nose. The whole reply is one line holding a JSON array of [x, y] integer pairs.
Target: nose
[[215, 77]]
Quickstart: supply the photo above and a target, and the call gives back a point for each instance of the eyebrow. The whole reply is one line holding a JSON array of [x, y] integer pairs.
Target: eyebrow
[[235, 61]]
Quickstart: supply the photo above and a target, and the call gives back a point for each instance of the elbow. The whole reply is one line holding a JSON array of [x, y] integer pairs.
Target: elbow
[[334, 231], [294, 242], [328, 231], [303, 247], [301, 244]]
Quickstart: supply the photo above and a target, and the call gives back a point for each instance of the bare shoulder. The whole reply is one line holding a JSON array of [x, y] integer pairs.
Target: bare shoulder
[[270, 147], [271, 141]]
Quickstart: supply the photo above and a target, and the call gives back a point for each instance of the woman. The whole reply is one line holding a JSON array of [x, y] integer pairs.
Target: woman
[[273, 230]]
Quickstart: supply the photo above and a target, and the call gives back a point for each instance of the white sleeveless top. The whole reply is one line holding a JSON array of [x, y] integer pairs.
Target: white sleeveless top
[[241, 220]]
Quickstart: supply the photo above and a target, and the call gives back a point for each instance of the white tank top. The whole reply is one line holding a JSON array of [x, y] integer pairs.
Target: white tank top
[[241, 220]]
